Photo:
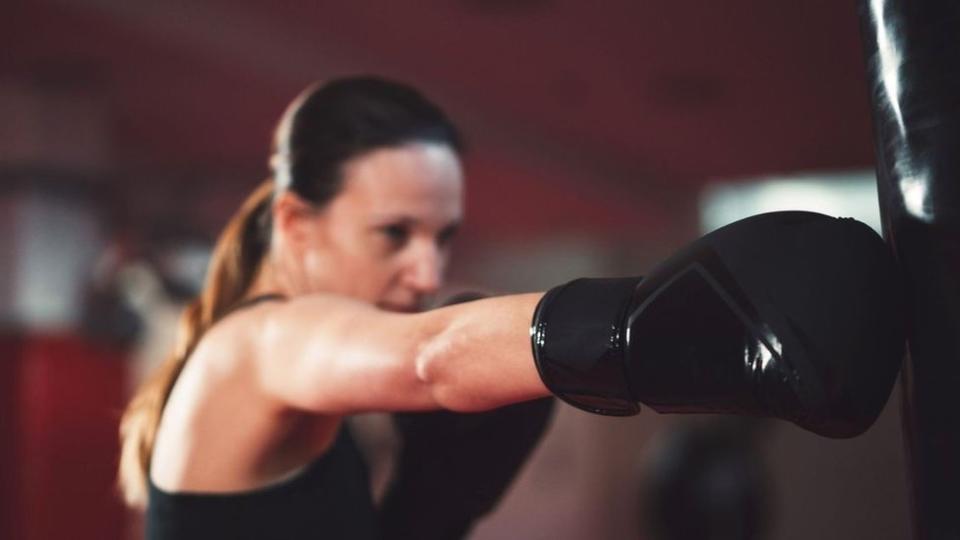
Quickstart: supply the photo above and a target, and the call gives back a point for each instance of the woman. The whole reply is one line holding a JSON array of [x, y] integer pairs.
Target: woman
[[312, 312]]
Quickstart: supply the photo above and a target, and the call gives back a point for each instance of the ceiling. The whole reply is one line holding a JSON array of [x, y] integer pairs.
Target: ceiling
[[641, 101]]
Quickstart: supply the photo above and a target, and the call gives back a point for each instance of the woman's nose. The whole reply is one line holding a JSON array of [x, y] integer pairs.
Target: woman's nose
[[425, 270]]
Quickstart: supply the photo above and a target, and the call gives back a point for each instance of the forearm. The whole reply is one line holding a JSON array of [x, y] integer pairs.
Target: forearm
[[338, 356], [479, 355]]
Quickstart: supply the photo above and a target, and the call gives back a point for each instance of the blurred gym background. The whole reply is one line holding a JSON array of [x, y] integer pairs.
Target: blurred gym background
[[601, 137]]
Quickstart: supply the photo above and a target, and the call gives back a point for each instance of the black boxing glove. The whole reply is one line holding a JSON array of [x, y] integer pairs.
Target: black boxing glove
[[794, 315], [454, 467]]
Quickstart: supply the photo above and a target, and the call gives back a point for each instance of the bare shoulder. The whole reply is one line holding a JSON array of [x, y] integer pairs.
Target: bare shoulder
[[295, 321], [236, 337], [323, 352], [272, 330]]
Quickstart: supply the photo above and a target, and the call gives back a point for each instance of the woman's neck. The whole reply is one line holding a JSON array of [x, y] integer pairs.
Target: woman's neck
[[267, 282]]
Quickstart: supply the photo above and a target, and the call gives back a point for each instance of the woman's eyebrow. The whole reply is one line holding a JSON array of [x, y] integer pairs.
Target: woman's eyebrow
[[394, 219], [451, 227], [403, 219]]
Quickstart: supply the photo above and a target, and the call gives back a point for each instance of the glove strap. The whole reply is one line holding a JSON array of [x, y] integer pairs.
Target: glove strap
[[578, 337]]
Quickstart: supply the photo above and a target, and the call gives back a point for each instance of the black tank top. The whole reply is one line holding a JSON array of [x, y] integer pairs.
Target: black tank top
[[329, 499]]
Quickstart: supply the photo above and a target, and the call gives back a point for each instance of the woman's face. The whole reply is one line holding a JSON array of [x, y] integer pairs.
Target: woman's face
[[385, 238]]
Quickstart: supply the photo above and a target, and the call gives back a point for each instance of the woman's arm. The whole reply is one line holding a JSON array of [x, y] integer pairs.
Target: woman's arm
[[335, 355]]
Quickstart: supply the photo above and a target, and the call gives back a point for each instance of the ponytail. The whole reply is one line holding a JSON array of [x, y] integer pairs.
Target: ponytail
[[233, 266]]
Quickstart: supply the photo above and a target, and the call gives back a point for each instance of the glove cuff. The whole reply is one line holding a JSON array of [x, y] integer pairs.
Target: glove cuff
[[578, 336]]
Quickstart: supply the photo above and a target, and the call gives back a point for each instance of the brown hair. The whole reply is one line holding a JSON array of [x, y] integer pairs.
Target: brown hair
[[234, 264]]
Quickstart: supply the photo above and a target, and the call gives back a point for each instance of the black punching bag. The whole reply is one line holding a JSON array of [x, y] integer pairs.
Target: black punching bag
[[913, 61]]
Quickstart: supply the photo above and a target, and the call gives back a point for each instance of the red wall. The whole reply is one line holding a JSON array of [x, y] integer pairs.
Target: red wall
[[61, 399]]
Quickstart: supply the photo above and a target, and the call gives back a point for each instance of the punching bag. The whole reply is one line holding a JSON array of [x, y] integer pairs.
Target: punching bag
[[912, 50]]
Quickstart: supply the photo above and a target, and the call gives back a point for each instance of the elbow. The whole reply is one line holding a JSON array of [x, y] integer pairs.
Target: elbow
[[440, 370]]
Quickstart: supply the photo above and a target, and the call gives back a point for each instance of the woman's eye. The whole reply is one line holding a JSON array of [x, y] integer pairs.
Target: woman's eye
[[397, 234], [446, 236]]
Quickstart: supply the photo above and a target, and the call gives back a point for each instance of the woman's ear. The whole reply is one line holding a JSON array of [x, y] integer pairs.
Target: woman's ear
[[293, 217]]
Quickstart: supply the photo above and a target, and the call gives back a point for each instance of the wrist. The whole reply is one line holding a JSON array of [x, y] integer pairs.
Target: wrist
[[578, 336]]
